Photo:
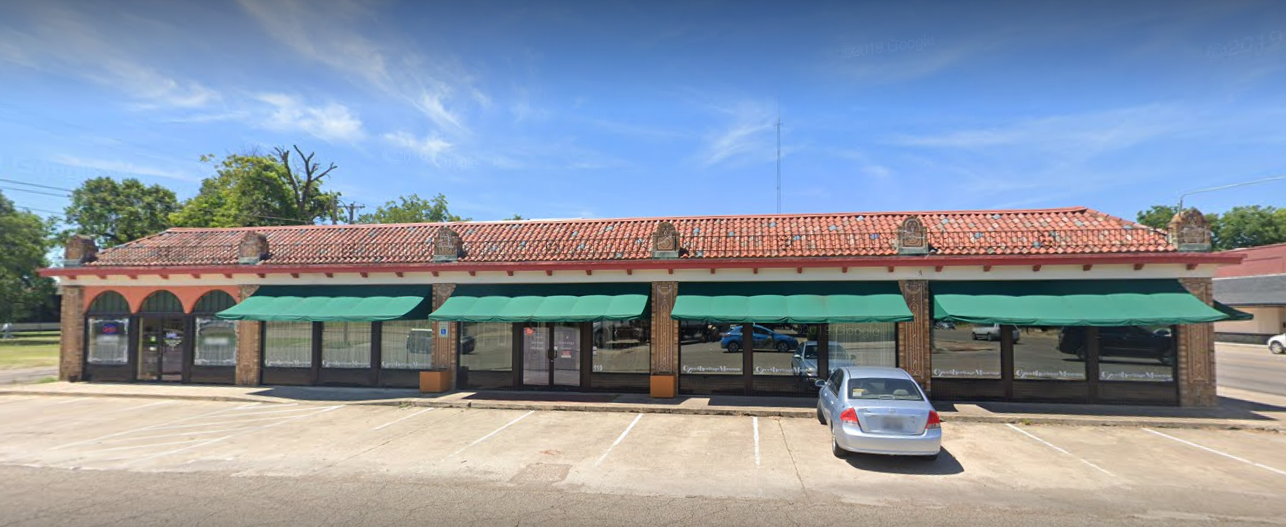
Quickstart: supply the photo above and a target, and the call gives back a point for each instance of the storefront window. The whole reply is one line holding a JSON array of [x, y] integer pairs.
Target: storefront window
[[216, 342], [346, 345], [1048, 353], [108, 340], [486, 346], [706, 348], [964, 351], [288, 344], [862, 345], [1136, 353], [406, 344], [775, 346], [623, 346]]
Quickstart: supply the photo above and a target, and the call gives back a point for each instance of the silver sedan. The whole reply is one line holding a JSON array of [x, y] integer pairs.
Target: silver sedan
[[874, 410]]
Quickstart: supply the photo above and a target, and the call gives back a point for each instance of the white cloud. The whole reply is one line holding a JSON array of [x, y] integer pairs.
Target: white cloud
[[430, 149], [746, 137], [330, 122], [122, 167]]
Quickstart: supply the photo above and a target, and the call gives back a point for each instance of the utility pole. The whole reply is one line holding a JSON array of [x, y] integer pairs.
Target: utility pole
[[352, 211]]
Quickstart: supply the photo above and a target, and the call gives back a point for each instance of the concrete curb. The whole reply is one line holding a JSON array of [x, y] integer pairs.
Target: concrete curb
[[795, 413]]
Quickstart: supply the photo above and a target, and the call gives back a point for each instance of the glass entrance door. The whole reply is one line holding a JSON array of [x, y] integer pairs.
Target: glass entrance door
[[551, 354], [160, 356]]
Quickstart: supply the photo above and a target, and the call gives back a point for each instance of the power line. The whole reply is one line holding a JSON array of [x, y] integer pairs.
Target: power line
[[34, 192], [33, 209], [14, 181], [1224, 187]]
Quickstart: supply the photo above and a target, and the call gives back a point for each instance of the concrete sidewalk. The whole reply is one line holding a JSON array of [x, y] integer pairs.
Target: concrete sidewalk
[[1239, 409]]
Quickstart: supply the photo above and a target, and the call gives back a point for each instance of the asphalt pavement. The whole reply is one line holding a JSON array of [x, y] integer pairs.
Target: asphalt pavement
[[1250, 367]]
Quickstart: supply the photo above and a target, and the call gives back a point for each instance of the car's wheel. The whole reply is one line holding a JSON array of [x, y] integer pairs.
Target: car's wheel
[[733, 347], [1277, 348], [835, 449], [783, 347], [929, 458], [821, 417]]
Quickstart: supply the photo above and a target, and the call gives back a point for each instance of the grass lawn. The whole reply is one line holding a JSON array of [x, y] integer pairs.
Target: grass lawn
[[29, 350]]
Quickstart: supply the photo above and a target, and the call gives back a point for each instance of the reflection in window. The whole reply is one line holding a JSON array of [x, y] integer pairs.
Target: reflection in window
[[965, 351], [406, 344], [288, 344], [486, 346], [346, 345], [775, 346], [863, 345], [623, 346], [707, 348], [1136, 353], [216, 342], [1044, 353], [108, 340]]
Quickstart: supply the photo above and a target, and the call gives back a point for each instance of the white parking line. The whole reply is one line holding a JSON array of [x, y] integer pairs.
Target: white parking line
[[217, 439], [496, 431], [755, 422], [1055, 447], [132, 408], [64, 401], [156, 426], [398, 420], [1213, 451], [619, 439]]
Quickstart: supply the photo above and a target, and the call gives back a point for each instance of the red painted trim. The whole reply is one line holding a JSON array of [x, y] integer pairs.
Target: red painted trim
[[799, 270], [589, 272], [1191, 266], [164, 276], [133, 277], [756, 270], [195, 275], [712, 270], [891, 268], [473, 273], [400, 274], [227, 275], [547, 273], [629, 271], [937, 269], [261, 275], [435, 274], [294, 275], [684, 263]]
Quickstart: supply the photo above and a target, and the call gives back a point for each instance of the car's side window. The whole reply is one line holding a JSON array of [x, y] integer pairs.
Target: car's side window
[[837, 380]]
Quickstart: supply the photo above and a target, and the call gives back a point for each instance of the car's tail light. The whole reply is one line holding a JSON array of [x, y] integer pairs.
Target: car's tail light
[[934, 420], [849, 416]]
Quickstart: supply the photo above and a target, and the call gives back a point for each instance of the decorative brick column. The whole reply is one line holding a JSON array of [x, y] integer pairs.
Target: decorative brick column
[[249, 345], [444, 354], [71, 352], [1196, 352], [914, 337], [665, 340]]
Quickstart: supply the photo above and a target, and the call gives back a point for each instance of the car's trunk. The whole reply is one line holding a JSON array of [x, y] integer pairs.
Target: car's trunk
[[885, 417]]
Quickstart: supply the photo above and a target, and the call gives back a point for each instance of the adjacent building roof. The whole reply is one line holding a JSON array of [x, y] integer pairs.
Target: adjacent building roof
[[1262, 260], [1263, 290], [1076, 230]]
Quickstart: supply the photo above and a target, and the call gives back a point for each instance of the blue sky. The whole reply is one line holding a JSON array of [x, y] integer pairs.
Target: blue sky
[[611, 109]]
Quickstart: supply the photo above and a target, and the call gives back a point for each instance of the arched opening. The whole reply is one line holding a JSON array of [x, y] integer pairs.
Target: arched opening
[[216, 339], [107, 324], [165, 334]]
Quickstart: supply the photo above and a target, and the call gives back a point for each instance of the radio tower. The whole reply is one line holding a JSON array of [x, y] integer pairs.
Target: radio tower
[[779, 159]]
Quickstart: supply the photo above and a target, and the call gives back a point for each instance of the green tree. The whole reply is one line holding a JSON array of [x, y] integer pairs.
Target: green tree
[[1158, 217], [115, 212], [247, 190], [413, 209], [26, 239], [1250, 226]]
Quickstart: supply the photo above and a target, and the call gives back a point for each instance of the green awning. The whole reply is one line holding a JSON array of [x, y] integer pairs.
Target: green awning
[[1071, 303], [791, 302], [1233, 313], [333, 303], [545, 303]]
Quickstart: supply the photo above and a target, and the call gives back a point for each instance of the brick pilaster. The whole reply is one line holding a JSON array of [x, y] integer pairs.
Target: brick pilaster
[[665, 330], [249, 347], [914, 344], [444, 353], [71, 352], [1196, 352]]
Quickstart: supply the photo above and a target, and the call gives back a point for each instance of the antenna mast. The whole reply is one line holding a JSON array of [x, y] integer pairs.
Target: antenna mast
[[778, 159]]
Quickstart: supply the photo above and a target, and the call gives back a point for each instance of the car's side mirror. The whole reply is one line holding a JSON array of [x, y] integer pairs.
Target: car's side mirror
[[819, 383], [797, 356]]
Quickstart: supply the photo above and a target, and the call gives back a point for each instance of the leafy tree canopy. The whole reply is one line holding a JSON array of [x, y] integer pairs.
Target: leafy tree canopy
[[413, 209], [249, 190], [26, 239], [114, 212], [1246, 226]]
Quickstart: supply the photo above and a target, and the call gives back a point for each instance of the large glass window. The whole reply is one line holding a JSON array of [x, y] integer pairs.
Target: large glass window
[[1135, 353], [406, 344], [1045, 353], [108, 340], [216, 342], [706, 348], [966, 351], [862, 344], [623, 346], [288, 344], [346, 345], [775, 345], [486, 346]]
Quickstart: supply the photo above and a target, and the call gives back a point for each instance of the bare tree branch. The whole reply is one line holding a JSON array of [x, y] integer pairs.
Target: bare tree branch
[[304, 190]]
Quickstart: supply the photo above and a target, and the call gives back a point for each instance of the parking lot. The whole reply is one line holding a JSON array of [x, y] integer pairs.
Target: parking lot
[[1126, 471]]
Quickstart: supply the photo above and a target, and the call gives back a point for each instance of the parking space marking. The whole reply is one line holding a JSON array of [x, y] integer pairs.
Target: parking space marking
[[281, 421], [1213, 451], [398, 420], [62, 402], [156, 426], [494, 432], [755, 422], [1056, 448], [140, 407], [618, 440]]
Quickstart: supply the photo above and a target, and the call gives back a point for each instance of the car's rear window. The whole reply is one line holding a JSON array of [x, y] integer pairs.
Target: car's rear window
[[881, 388]]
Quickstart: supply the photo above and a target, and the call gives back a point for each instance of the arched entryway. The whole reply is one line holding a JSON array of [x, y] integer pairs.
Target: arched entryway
[[165, 339], [214, 341], [108, 343]]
